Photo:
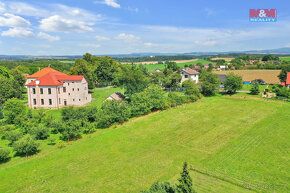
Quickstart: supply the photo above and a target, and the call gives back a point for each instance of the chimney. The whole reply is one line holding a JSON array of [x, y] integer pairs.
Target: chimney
[[37, 82]]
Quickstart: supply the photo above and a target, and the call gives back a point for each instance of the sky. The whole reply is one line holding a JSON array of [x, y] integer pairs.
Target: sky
[[100, 27]]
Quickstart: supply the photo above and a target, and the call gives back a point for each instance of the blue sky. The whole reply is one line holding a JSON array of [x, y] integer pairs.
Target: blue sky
[[74, 27]]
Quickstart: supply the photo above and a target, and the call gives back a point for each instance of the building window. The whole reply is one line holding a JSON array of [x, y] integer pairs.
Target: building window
[[73, 89], [185, 76], [72, 82], [64, 89], [85, 88], [50, 101], [59, 101], [78, 89], [79, 99], [33, 90], [49, 90], [58, 91], [68, 93], [34, 101], [73, 99], [41, 90], [68, 83], [42, 101]]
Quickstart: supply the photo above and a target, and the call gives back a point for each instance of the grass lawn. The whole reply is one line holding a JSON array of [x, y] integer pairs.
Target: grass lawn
[[152, 67], [248, 87], [243, 139], [285, 58]]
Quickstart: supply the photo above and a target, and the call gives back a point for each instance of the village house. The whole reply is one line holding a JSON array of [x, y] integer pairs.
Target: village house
[[49, 88], [116, 96], [188, 73], [287, 83]]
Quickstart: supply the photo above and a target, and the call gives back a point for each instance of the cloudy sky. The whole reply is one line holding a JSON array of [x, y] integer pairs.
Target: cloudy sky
[[74, 27]]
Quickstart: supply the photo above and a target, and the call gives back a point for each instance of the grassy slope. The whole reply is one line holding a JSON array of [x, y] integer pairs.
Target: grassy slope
[[152, 67], [244, 139]]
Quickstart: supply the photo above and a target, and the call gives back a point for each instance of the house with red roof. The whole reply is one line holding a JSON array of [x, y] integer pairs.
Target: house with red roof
[[49, 88], [287, 83], [188, 73]]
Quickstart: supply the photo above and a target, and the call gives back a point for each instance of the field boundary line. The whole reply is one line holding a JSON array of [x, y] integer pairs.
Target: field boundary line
[[234, 181]]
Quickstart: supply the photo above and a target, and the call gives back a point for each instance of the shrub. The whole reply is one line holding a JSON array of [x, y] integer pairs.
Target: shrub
[[176, 100], [191, 88], [161, 187], [4, 154], [13, 136], [51, 140], [6, 128], [71, 130], [14, 111], [255, 89], [113, 112], [61, 144], [39, 132], [26, 145]]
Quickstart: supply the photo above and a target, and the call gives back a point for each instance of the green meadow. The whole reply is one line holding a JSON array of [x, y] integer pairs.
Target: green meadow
[[285, 59], [235, 145], [151, 67]]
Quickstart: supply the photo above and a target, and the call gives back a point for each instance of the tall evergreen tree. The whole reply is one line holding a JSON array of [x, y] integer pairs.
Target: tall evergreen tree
[[185, 181]]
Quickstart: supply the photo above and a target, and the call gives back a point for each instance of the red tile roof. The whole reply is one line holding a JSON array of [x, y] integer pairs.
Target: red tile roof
[[190, 71], [55, 78], [288, 78], [42, 72]]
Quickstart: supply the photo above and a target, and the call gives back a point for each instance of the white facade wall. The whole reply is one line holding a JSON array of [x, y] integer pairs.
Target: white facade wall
[[71, 93], [186, 76]]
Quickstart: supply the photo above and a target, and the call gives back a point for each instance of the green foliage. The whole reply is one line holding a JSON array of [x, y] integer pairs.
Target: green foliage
[[71, 130], [13, 135], [113, 111], [281, 91], [185, 181], [191, 88], [270, 57], [4, 154], [284, 70], [157, 78], [7, 90], [39, 132], [14, 111], [26, 145], [51, 140], [132, 79], [151, 99], [82, 67], [233, 83], [173, 66], [209, 83], [176, 100], [255, 90], [172, 81], [161, 187], [18, 82]]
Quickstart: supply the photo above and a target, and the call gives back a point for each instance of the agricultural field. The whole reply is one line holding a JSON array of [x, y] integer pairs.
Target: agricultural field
[[152, 67], [222, 138], [270, 76], [285, 58], [226, 59]]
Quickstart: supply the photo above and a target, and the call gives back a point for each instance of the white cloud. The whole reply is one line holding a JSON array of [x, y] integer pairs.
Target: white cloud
[[287, 45], [207, 43], [127, 37], [112, 3], [102, 38], [90, 45], [11, 20], [18, 32], [56, 23], [2, 7], [25, 9], [209, 11], [47, 36]]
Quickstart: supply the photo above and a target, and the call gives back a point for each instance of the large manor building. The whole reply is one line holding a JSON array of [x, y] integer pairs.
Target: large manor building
[[49, 88]]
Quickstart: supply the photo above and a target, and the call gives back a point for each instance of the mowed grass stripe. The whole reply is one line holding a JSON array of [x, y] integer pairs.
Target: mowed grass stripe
[[133, 156]]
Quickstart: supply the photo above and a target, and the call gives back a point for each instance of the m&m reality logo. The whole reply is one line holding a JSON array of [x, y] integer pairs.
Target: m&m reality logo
[[263, 15]]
